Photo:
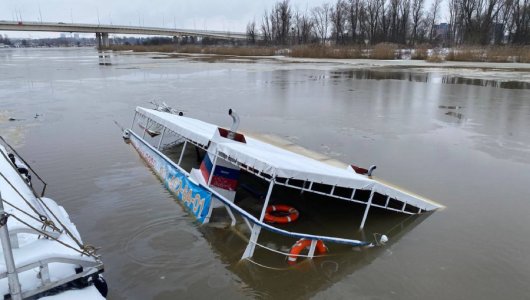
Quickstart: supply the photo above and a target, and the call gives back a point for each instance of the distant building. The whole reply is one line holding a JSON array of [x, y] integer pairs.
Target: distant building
[[76, 36], [441, 31], [63, 35]]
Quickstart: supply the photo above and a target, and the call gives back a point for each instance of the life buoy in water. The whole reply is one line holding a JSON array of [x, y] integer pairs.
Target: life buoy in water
[[281, 214], [301, 245]]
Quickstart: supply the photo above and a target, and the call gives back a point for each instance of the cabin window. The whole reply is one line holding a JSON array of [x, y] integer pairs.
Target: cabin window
[[379, 199], [362, 195], [395, 204], [411, 209], [343, 192], [323, 188]]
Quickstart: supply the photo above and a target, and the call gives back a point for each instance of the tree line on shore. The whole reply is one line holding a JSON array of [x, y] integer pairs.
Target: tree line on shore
[[407, 22]]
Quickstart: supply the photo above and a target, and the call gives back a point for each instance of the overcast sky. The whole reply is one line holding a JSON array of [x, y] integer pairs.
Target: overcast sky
[[229, 15]]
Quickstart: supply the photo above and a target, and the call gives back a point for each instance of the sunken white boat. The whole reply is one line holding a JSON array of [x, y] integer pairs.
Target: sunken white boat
[[43, 255], [230, 164]]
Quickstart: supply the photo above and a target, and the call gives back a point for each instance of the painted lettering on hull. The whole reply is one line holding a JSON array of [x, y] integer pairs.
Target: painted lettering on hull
[[195, 198]]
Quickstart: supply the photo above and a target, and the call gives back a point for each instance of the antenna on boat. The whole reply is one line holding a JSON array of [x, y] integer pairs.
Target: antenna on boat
[[235, 118], [370, 170]]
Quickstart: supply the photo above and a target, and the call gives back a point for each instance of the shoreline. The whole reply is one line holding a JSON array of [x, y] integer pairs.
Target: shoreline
[[501, 72]]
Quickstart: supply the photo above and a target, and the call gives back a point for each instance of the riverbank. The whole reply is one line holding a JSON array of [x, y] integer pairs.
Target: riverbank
[[384, 51], [488, 72]]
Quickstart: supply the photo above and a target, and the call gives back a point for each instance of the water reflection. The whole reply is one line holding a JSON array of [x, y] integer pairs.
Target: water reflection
[[271, 277], [479, 168], [104, 58], [389, 74]]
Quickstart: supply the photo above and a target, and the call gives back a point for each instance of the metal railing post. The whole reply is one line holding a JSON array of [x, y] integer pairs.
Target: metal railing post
[[367, 209], [161, 138], [12, 275], [249, 251], [182, 153], [214, 163]]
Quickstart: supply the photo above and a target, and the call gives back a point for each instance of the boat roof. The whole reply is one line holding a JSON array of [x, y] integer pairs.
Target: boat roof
[[277, 162]]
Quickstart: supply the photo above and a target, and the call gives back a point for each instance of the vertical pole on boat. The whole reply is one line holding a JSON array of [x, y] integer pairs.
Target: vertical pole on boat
[[12, 275], [249, 251], [367, 208], [312, 248], [134, 119], [145, 129], [182, 153], [161, 138], [214, 163]]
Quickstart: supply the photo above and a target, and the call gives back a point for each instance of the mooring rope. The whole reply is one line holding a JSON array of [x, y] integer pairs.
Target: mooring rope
[[46, 222], [87, 250], [41, 216]]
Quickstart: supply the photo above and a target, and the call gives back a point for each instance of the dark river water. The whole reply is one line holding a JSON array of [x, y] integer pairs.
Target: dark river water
[[464, 143]]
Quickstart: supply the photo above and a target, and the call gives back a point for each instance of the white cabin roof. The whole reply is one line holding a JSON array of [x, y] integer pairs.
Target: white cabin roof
[[277, 162]]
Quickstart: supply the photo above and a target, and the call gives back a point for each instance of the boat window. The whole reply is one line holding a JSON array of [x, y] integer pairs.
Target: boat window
[[362, 195], [343, 192], [395, 204], [379, 199], [323, 188]]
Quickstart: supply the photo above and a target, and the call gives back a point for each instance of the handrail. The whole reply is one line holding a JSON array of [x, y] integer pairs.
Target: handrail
[[41, 262], [28, 165], [251, 218]]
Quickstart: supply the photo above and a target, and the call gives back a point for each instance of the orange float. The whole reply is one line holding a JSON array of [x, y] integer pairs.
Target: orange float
[[301, 245], [281, 214]]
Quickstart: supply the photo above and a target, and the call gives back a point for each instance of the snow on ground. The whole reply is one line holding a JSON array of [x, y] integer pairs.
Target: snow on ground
[[472, 70]]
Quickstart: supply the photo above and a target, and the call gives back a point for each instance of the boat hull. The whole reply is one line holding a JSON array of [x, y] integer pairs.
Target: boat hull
[[194, 197]]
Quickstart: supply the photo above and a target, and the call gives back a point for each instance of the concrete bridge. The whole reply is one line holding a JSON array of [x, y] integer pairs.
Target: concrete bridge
[[102, 31]]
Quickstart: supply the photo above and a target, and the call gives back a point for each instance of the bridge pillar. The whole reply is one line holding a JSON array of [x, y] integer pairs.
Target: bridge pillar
[[106, 42], [98, 40]]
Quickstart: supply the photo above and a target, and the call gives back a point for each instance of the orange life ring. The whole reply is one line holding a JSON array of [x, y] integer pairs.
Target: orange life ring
[[271, 218], [301, 245]]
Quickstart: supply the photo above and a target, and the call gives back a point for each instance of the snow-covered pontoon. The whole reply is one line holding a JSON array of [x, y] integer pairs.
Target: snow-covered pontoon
[[43, 254], [230, 163]]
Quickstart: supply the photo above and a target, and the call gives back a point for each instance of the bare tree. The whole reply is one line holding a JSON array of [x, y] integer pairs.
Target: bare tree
[[355, 7], [282, 17], [321, 20], [266, 28], [403, 21], [251, 32], [417, 15], [303, 27], [374, 8], [339, 17], [433, 18], [521, 22]]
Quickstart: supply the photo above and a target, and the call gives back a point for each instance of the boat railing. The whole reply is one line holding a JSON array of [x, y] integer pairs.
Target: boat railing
[[249, 217], [33, 183], [85, 268], [253, 220]]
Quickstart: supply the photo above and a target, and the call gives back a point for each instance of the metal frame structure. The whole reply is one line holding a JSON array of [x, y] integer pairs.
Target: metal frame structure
[[256, 224], [9, 240]]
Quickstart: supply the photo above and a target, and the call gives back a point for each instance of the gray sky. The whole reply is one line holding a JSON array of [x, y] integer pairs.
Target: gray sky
[[231, 15]]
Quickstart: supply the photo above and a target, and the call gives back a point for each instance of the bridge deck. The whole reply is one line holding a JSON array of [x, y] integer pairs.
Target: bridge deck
[[116, 29]]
